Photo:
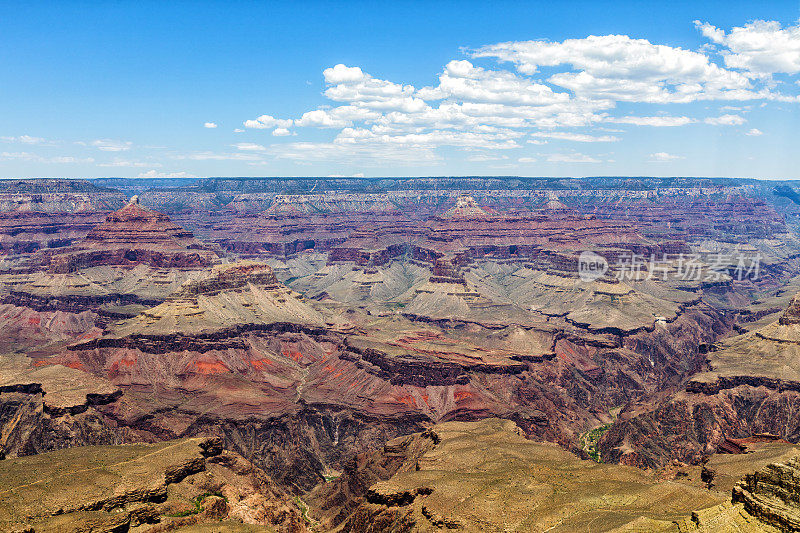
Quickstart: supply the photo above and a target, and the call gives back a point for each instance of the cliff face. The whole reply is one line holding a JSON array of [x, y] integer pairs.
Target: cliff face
[[773, 494], [792, 314], [130, 236], [750, 384], [484, 476], [50, 407], [379, 314], [155, 487], [238, 351]]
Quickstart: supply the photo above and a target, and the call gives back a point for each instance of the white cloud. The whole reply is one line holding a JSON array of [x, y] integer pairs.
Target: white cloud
[[755, 132], [250, 147], [343, 74], [620, 68], [572, 158], [526, 160], [577, 137], [760, 47], [128, 164], [726, 120], [658, 121], [156, 174], [350, 84], [267, 122], [36, 158], [238, 130], [25, 139], [554, 88], [465, 82], [110, 145], [210, 125], [664, 157], [214, 156], [481, 158], [338, 117]]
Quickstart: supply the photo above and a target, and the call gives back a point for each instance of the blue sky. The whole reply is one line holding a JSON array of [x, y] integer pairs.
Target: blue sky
[[399, 88]]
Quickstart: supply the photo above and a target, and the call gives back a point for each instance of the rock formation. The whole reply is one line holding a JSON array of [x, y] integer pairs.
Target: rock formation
[[750, 386], [348, 313], [152, 488], [129, 236], [484, 476], [773, 494], [466, 207]]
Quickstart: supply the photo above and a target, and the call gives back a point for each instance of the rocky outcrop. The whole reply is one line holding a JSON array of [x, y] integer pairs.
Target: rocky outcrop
[[420, 371], [391, 315], [334, 502], [773, 494], [484, 476], [130, 236], [230, 278], [52, 407], [792, 314], [156, 487], [750, 385], [466, 207]]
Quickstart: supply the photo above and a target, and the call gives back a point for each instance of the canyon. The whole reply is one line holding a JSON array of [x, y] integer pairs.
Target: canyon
[[349, 341]]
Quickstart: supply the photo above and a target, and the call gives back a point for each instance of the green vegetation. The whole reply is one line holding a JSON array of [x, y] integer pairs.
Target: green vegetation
[[197, 504], [303, 510], [590, 439]]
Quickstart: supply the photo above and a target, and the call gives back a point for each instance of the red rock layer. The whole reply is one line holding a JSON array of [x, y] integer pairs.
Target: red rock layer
[[130, 236]]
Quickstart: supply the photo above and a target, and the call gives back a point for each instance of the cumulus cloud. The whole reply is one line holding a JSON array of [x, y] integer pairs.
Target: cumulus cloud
[[350, 84], [465, 82], [726, 120], [762, 48], [534, 90], [343, 74], [755, 132], [664, 157], [338, 117], [620, 68], [526, 160], [267, 122], [210, 125]]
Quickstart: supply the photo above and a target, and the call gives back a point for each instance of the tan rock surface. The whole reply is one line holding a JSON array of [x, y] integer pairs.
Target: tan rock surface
[[152, 487], [484, 476]]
